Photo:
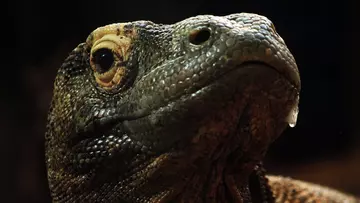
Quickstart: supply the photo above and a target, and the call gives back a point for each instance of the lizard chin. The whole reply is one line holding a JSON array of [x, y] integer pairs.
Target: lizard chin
[[225, 130]]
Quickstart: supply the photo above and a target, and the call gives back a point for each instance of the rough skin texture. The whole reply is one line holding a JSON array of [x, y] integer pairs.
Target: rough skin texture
[[144, 112]]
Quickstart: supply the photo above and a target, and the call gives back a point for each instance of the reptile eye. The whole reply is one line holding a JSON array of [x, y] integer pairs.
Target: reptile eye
[[198, 37], [103, 60], [108, 59]]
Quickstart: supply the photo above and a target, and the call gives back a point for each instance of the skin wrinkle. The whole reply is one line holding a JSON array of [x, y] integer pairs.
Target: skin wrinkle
[[185, 113]]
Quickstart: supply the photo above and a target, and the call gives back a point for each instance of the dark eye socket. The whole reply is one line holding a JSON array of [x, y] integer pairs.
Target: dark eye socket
[[103, 60], [198, 37]]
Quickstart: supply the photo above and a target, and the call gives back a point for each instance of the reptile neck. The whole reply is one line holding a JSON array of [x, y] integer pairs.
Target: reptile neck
[[220, 164], [220, 186], [211, 173]]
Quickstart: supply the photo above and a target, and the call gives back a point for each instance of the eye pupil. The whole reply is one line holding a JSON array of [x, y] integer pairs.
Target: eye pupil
[[103, 60]]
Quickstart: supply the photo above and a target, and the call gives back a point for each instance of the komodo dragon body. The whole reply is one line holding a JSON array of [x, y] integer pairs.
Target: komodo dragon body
[[144, 112]]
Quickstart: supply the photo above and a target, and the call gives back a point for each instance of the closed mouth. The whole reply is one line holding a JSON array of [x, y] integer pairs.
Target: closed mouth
[[97, 127]]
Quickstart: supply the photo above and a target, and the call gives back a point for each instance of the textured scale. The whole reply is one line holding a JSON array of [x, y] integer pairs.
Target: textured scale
[[145, 112]]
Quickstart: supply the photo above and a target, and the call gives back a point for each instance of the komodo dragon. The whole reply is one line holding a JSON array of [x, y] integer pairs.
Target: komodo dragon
[[145, 112]]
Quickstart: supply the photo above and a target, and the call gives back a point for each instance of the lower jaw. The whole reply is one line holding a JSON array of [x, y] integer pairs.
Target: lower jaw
[[215, 162]]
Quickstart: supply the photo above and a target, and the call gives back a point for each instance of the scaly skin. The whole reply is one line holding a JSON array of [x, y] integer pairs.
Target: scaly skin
[[144, 112]]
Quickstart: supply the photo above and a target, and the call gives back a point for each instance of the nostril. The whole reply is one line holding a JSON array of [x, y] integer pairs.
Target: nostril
[[198, 37]]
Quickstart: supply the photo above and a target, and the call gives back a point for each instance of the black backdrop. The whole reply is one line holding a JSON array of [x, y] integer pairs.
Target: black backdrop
[[321, 35]]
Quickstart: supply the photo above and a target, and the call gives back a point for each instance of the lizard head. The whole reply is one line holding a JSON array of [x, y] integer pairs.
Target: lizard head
[[144, 112]]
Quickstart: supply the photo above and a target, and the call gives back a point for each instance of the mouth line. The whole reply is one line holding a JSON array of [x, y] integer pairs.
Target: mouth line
[[99, 127]]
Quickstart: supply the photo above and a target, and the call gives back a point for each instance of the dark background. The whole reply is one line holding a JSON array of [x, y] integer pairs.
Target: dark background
[[324, 147]]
